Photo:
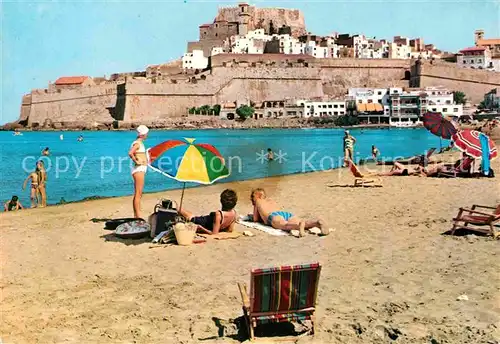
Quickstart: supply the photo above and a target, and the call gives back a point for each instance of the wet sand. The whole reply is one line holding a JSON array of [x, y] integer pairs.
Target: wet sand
[[388, 273]]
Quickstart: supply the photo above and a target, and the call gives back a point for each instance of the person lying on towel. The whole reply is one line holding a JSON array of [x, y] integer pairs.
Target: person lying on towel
[[216, 221], [266, 211]]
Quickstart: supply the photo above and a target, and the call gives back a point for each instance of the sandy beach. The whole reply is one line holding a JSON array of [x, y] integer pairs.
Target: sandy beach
[[388, 273]]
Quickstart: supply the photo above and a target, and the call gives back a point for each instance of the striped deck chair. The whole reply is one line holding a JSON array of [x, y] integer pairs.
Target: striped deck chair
[[281, 294]]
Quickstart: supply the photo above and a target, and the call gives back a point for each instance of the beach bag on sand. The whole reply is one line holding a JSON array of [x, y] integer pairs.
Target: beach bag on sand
[[164, 215]]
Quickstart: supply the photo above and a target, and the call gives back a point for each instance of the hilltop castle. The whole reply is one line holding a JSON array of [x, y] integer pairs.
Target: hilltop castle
[[231, 21]]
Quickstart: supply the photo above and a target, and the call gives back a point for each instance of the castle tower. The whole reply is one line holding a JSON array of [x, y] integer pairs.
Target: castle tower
[[478, 34], [243, 19]]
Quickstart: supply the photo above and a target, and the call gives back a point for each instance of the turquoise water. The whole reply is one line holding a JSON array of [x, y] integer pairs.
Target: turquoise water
[[99, 166]]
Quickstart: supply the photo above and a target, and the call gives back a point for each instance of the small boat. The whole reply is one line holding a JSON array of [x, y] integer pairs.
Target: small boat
[[404, 124]]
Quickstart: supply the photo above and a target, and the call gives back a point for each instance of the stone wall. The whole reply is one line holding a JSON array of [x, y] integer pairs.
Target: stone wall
[[473, 82], [338, 75], [25, 108], [91, 103]]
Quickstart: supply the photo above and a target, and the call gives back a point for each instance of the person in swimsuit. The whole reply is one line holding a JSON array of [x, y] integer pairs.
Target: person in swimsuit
[[42, 182], [349, 142], [13, 204], [34, 177], [375, 152], [267, 212], [270, 154], [399, 169], [216, 221], [137, 153], [46, 152]]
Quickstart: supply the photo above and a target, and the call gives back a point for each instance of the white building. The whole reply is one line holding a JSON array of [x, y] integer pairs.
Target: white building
[[216, 51], [324, 108], [399, 51], [475, 58], [316, 51], [194, 60], [436, 95], [375, 100], [455, 110], [290, 45]]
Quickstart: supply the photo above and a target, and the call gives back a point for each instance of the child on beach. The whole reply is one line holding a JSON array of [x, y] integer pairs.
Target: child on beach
[[216, 221], [267, 212], [13, 204], [34, 177]]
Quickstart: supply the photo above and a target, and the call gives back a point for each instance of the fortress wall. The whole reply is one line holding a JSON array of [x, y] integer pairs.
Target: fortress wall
[[83, 104], [155, 101], [259, 90], [338, 75], [260, 59], [150, 107], [25, 108], [473, 82], [362, 63]]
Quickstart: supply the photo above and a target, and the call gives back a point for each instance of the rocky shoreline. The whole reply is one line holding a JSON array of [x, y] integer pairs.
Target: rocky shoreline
[[189, 123]]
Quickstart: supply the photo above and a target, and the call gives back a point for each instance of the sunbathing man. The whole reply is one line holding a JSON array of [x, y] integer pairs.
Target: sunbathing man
[[267, 212], [399, 169]]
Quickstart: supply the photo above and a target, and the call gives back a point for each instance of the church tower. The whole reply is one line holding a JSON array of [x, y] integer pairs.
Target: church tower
[[478, 35], [243, 19]]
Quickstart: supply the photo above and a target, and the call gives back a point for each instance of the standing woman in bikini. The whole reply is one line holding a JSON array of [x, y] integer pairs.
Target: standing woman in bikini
[[42, 180], [138, 155]]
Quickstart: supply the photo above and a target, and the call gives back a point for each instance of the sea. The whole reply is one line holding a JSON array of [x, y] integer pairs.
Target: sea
[[99, 165]]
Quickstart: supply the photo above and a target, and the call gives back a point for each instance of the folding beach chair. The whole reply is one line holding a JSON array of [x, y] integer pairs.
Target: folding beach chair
[[281, 294], [462, 170], [361, 179], [477, 219]]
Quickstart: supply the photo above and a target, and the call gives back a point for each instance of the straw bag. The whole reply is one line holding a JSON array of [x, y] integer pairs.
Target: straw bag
[[184, 233]]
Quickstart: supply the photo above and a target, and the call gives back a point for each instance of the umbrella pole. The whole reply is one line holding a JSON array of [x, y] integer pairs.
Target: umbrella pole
[[182, 195]]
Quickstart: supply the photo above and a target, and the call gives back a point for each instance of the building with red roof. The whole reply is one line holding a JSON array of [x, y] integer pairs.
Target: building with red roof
[[475, 58]]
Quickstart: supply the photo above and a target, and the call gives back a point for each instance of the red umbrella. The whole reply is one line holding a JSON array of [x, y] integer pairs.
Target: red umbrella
[[469, 141], [438, 125]]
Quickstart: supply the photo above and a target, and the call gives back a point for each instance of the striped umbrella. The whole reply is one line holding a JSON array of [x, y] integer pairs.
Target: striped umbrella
[[186, 162], [438, 125], [475, 144]]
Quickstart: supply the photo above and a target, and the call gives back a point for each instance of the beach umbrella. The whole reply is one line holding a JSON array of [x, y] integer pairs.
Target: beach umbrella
[[438, 125], [187, 162], [475, 144]]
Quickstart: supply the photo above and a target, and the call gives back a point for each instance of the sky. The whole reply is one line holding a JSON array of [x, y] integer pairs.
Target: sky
[[44, 40]]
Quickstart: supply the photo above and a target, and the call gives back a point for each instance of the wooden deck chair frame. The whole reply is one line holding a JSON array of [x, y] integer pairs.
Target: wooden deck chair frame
[[360, 179], [247, 299], [484, 219], [462, 170]]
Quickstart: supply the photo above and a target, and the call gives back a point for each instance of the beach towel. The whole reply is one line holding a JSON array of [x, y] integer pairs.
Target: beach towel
[[222, 235], [245, 221], [485, 160]]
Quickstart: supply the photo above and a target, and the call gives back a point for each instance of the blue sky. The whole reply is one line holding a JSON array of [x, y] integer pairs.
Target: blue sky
[[44, 40]]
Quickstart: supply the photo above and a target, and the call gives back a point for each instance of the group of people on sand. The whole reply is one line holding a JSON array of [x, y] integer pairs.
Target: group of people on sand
[[265, 210], [38, 194]]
